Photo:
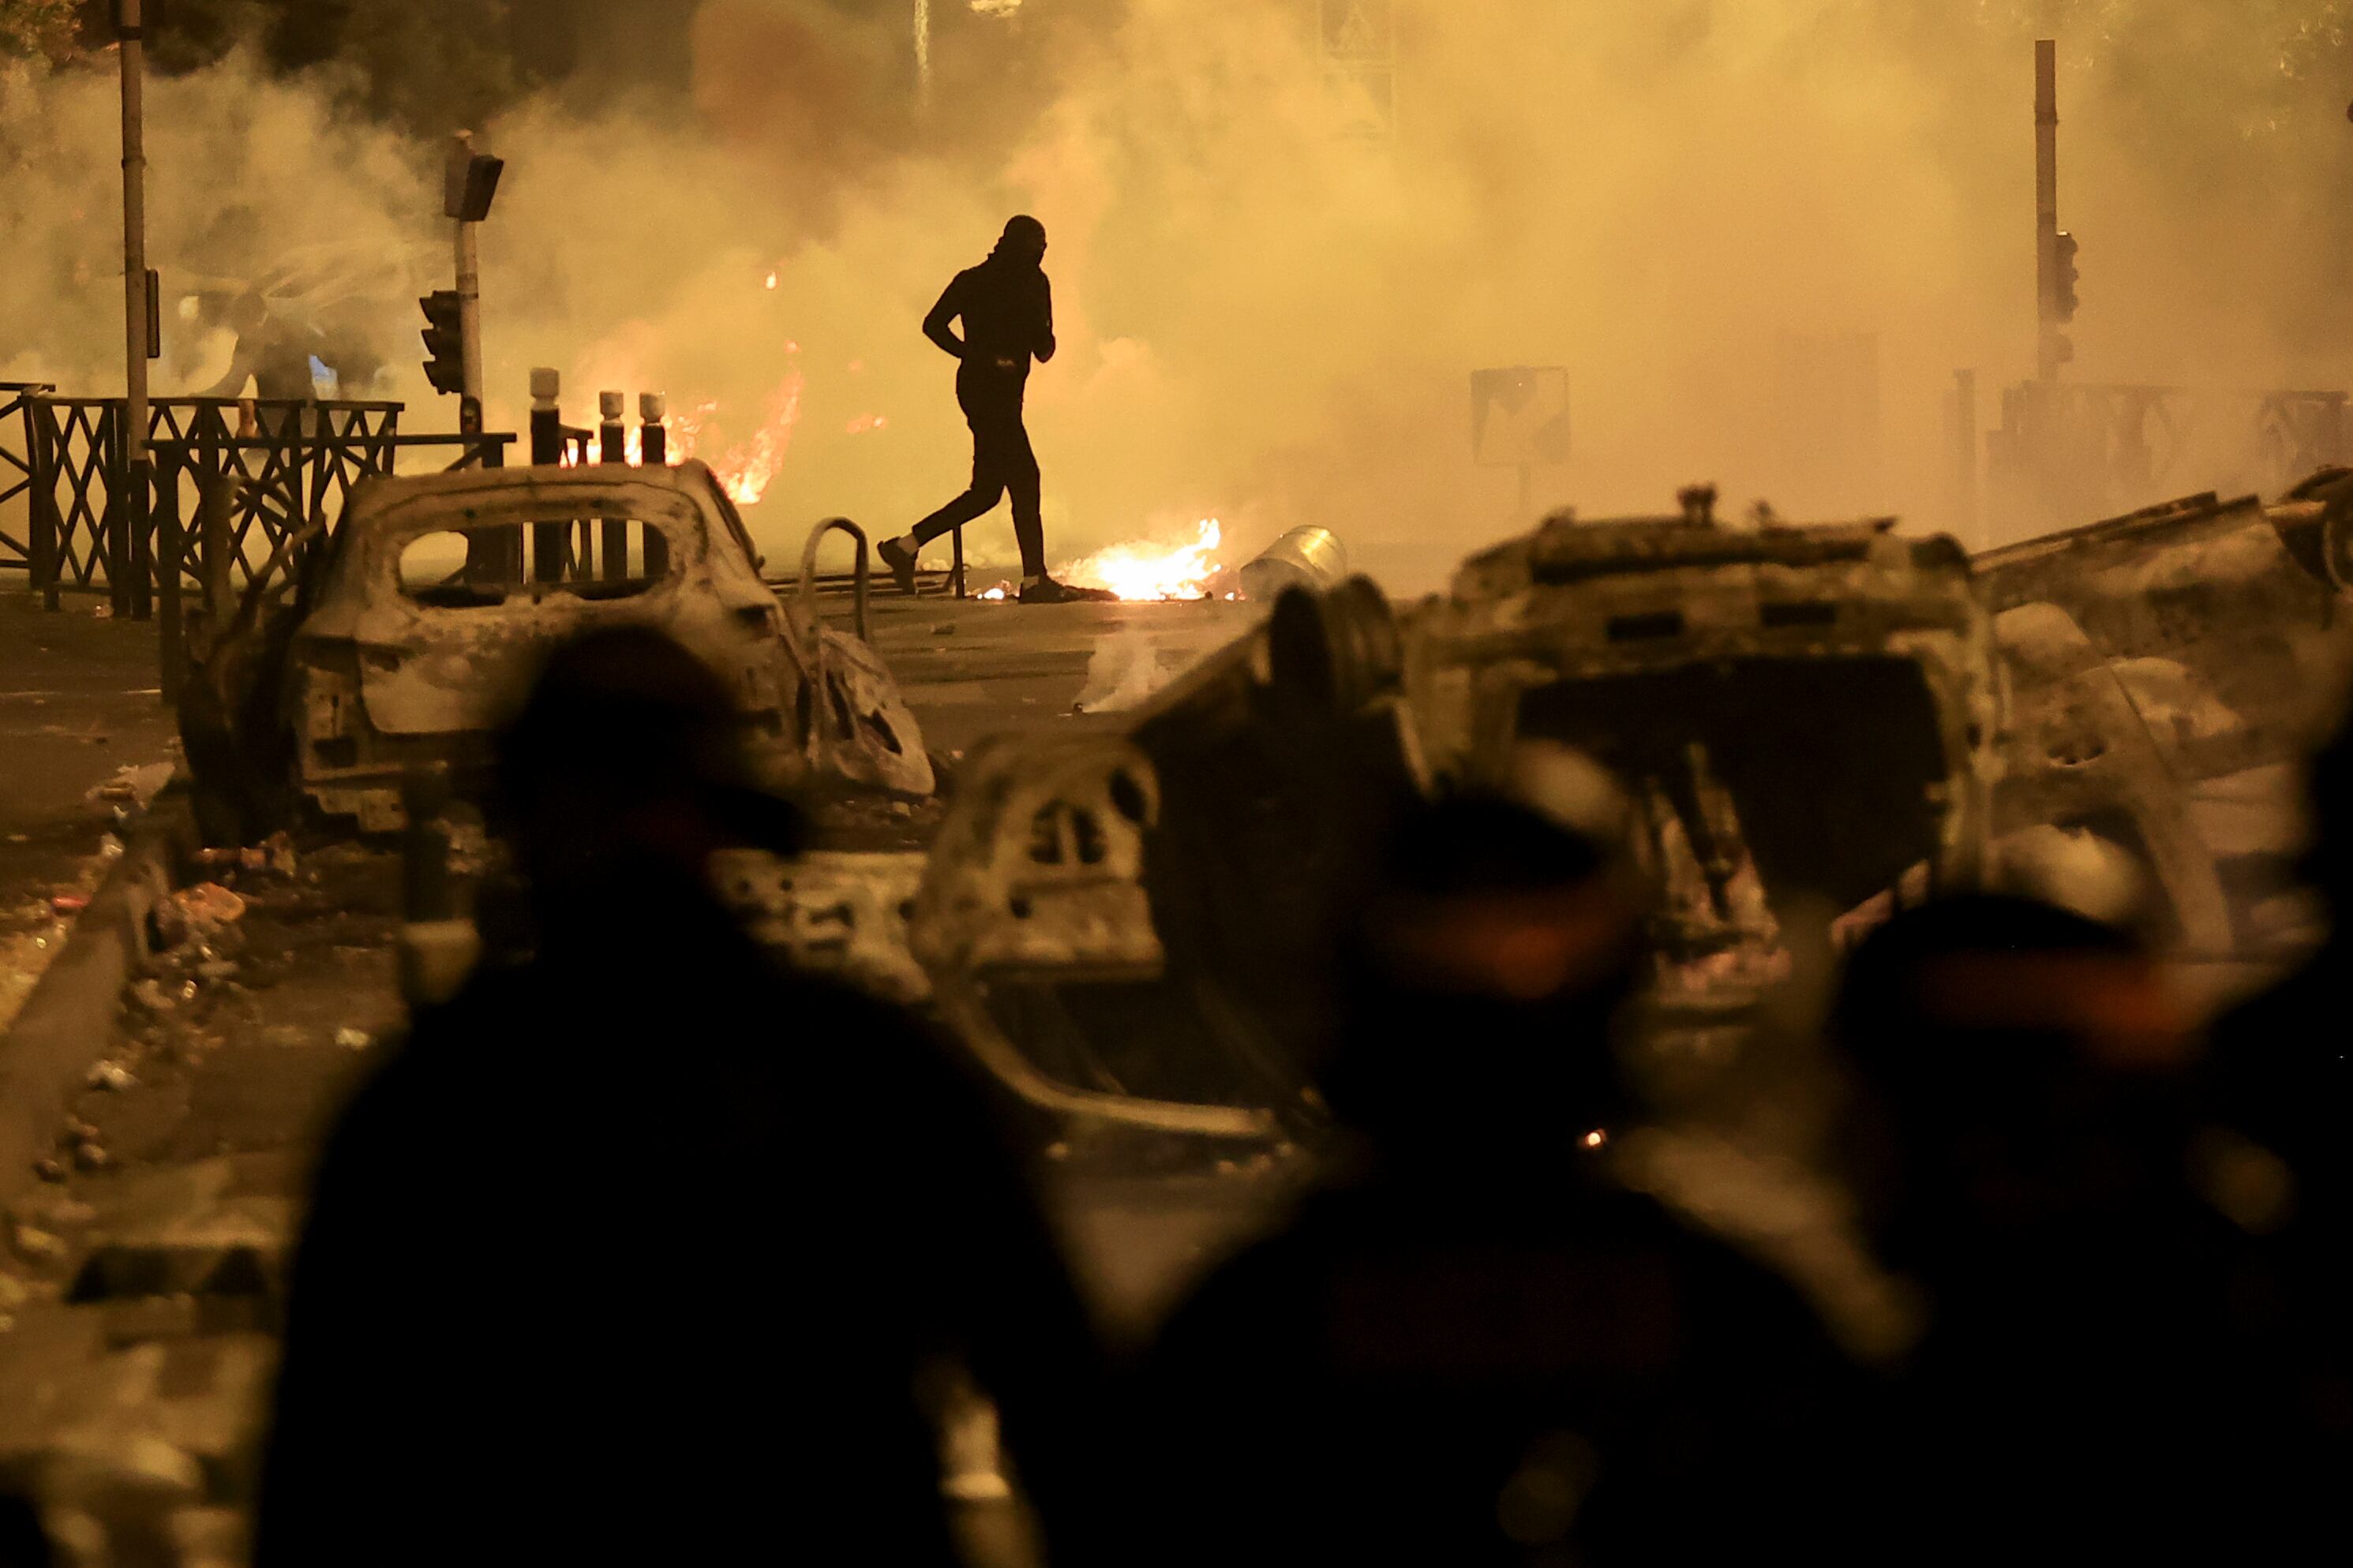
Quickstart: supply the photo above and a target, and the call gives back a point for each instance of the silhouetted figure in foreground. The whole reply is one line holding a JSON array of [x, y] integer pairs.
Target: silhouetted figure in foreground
[[2092, 1379], [1008, 309], [1480, 1350], [2276, 1089], [638, 1252], [24, 1541], [2281, 1067]]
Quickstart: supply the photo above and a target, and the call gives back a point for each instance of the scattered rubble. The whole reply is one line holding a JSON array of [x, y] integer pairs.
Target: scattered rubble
[[112, 1077], [34, 1245], [132, 784], [197, 912]]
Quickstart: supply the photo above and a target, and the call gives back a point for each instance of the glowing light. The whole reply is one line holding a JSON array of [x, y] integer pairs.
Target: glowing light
[[865, 421], [996, 593], [1144, 571], [1595, 1138], [772, 281]]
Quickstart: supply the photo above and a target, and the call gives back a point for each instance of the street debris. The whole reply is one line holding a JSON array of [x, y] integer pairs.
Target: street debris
[[273, 856], [132, 784], [112, 1077], [198, 912], [150, 993], [32, 1244]]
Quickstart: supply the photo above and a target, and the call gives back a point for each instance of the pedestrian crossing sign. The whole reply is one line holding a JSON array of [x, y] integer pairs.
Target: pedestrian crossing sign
[[1519, 416]]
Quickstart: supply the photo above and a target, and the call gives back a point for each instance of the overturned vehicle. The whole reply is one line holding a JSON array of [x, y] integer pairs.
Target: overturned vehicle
[[411, 627], [2168, 670], [1815, 725]]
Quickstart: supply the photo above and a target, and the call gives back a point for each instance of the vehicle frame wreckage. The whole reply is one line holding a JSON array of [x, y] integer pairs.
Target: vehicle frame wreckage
[[414, 625], [1124, 917], [1813, 725]]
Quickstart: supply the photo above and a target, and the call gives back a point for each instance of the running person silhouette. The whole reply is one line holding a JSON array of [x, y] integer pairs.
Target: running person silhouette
[[1008, 310]]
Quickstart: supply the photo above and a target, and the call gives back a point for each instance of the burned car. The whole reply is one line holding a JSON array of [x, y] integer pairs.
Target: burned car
[[1123, 918], [1805, 716], [2167, 669], [413, 624]]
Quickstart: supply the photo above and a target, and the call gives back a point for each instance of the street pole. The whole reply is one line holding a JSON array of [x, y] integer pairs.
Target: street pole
[[469, 301], [923, 55], [136, 338], [2048, 354]]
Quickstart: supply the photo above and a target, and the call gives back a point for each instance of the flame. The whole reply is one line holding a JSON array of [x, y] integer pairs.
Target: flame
[[1140, 570], [772, 281], [749, 467]]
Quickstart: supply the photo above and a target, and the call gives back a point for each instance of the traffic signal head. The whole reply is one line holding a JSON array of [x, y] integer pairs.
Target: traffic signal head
[[445, 351], [2064, 280]]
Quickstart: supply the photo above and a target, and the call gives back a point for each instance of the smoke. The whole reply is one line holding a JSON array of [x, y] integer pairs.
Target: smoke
[[1759, 234]]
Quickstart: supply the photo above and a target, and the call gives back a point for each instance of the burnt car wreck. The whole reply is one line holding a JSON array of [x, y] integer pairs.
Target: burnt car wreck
[[1815, 726], [413, 624]]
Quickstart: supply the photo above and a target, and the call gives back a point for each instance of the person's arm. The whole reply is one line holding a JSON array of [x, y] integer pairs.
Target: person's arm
[[241, 366], [1045, 319], [936, 325]]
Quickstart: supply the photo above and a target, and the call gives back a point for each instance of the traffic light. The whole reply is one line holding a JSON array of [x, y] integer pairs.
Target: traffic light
[[2065, 278], [444, 350]]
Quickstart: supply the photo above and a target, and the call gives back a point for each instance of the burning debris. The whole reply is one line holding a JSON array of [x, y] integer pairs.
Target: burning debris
[[1141, 571]]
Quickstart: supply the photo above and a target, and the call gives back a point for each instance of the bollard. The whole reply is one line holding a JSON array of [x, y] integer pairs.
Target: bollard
[[653, 451], [547, 542], [614, 566]]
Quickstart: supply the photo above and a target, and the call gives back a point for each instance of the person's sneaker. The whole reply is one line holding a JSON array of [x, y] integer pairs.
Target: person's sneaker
[[902, 562], [1046, 591]]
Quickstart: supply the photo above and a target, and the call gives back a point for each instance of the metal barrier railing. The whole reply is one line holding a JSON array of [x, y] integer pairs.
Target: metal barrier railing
[[2067, 451], [86, 532], [258, 504], [17, 464]]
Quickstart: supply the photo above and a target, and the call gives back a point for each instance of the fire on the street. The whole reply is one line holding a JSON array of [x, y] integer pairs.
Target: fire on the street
[[748, 466], [1140, 570]]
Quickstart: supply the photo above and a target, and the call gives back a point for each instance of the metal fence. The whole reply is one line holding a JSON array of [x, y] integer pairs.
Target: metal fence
[[86, 532], [16, 469], [2067, 453]]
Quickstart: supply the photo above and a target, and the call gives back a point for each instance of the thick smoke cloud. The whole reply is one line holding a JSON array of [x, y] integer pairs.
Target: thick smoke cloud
[[1695, 205]]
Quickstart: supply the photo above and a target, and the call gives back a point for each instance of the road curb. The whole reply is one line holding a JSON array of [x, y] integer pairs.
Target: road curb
[[67, 1024]]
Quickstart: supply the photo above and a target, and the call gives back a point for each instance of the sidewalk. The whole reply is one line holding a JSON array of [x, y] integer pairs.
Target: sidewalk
[[78, 705]]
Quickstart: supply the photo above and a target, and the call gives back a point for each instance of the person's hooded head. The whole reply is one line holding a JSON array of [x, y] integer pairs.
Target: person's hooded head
[[627, 761], [2013, 1060], [1023, 243], [1480, 979]]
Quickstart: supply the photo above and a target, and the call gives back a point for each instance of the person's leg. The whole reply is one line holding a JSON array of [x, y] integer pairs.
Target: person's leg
[[988, 485], [1022, 479], [988, 475]]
